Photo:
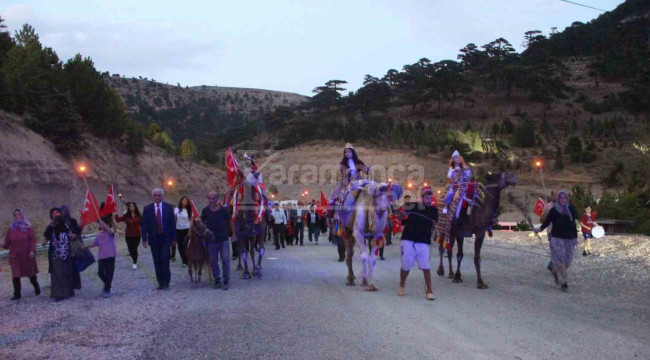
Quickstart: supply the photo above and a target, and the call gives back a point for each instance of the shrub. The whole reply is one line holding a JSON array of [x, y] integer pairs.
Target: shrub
[[524, 135]]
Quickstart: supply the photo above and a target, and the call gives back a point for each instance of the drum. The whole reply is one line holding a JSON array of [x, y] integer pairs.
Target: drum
[[598, 232]]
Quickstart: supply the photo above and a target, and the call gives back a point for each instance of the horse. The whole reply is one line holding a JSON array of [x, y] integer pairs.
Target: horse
[[363, 216], [481, 218], [197, 253], [249, 223]]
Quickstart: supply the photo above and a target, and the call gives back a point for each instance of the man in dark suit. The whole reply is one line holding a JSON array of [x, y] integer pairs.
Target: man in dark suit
[[159, 232]]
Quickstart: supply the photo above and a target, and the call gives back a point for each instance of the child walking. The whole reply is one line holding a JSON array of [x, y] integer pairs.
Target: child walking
[[105, 241]]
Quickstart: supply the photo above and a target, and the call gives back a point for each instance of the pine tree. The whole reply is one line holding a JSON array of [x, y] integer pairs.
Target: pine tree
[[559, 164]]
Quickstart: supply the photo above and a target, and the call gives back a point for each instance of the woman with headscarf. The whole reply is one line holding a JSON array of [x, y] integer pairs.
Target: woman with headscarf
[[62, 263], [70, 221], [54, 213], [563, 237], [76, 230], [21, 242]]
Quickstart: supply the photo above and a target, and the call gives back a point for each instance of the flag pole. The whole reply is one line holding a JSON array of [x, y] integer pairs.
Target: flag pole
[[539, 164], [119, 196], [82, 168]]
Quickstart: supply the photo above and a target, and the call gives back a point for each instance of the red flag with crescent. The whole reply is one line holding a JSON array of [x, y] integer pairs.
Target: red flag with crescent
[[89, 210], [539, 207], [397, 225], [110, 206], [195, 212], [323, 203], [232, 167]]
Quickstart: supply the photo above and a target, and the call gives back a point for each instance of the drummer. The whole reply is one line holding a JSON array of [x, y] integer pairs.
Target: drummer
[[587, 224]]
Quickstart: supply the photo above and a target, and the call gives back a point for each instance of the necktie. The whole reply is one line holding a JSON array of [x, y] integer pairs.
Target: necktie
[[159, 219]]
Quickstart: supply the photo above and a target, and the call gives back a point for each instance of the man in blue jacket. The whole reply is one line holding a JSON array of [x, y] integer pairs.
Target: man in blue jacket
[[159, 232]]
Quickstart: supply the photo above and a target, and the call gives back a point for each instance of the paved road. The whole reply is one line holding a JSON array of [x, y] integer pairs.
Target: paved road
[[301, 309]]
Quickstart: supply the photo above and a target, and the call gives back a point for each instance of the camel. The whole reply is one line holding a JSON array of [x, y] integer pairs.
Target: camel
[[197, 253], [250, 221], [482, 216], [363, 216]]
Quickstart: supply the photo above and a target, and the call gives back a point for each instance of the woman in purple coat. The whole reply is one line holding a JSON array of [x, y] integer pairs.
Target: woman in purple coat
[[21, 242]]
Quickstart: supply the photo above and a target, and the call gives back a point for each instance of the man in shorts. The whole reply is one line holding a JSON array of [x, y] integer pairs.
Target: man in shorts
[[418, 222]]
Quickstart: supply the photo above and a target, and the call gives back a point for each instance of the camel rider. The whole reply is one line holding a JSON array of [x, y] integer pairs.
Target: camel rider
[[460, 190], [259, 193], [458, 178], [352, 168]]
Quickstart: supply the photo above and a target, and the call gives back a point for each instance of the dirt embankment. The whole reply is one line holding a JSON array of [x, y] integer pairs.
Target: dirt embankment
[[35, 177]]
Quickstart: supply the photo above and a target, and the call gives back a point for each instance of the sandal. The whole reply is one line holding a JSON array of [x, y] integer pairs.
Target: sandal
[[400, 291], [430, 296]]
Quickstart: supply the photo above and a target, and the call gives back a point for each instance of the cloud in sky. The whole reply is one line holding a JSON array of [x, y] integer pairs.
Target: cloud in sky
[[287, 45]]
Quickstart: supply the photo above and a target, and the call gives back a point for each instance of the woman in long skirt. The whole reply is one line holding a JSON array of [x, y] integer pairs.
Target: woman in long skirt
[[63, 274], [21, 242], [563, 237]]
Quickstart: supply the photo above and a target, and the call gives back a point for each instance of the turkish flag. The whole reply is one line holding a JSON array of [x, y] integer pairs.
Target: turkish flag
[[539, 207], [89, 210], [232, 167], [195, 213], [323, 203], [397, 225], [110, 206]]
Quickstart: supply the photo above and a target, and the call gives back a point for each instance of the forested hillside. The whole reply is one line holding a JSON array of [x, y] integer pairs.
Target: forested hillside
[[207, 118], [578, 100], [60, 100]]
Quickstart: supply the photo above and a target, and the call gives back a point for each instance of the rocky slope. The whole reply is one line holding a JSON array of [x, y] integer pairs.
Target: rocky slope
[[35, 177]]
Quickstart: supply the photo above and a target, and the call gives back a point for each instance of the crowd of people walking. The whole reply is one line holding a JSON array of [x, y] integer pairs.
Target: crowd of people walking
[[161, 228], [166, 230]]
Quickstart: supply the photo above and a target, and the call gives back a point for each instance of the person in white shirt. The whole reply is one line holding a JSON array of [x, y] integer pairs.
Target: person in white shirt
[[183, 216], [279, 221], [313, 223]]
